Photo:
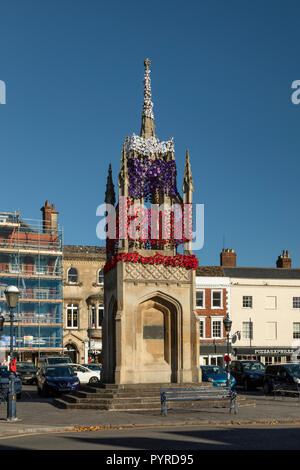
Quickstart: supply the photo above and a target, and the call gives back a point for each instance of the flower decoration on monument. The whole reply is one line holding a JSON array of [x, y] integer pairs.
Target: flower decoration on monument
[[147, 175]]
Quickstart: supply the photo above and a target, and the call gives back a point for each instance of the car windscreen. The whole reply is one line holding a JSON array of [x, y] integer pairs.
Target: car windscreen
[[293, 369], [24, 367], [57, 360], [213, 370], [253, 366], [60, 371]]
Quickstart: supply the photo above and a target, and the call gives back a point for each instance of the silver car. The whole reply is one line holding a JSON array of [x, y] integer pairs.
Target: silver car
[[4, 375]]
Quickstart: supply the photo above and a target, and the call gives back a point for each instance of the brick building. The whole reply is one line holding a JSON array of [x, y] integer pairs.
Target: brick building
[[212, 306], [31, 259]]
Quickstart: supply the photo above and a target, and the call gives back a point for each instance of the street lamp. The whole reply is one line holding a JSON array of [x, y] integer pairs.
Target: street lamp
[[227, 325], [12, 298]]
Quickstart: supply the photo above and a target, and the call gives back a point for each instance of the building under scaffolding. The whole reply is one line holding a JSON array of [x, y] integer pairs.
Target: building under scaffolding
[[31, 259]]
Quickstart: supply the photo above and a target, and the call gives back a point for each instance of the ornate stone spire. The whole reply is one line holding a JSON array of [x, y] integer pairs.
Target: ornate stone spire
[[148, 127], [110, 197], [123, 175], [188, 184]]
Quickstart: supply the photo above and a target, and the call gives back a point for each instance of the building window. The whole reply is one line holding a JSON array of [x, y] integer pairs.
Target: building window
[[72, 316], [15, 264], [41, 265], [72, 276], [296, 302], [41, 293], [200, 299], [202, 328], [216, 300], [296, 330], [247, 330], [217, 329], [100, 315], [93, 317], [100, 276], [247, 301]]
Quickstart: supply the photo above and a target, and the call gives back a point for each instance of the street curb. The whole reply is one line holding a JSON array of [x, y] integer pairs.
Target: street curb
[[119, 427]]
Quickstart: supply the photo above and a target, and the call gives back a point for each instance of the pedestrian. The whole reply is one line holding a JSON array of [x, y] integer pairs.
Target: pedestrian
[[13, 366]]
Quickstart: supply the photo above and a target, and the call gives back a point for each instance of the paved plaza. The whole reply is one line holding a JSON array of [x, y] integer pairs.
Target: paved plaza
[[38, 414]]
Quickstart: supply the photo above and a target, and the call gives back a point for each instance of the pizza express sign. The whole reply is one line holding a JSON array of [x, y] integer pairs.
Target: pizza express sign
[[274, 351]]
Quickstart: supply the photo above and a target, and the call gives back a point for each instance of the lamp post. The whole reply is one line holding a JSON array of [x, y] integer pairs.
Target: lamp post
[[12, 299], [227, 325]]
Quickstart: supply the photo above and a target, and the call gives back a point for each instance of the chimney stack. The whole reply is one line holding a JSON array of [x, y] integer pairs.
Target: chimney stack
[[284, 260], [228, 258], [49, 218]]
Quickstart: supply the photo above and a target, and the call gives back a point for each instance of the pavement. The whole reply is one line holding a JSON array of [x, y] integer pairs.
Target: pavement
[[39, 415]]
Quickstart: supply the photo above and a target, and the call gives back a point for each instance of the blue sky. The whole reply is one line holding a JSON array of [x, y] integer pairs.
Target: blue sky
[[221, 84]]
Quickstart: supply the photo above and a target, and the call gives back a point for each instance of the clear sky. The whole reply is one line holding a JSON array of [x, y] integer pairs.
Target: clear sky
[[221, 85]]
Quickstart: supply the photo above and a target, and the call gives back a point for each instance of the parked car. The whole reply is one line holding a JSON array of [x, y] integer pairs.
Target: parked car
[[51, 360], [56, 379], [26, 371], [4, 381], [249, 374], [217, 375], [85, 375], [285, 376]]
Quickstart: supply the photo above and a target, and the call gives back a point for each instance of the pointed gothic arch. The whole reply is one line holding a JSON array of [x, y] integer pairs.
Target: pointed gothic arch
[[159, 333]]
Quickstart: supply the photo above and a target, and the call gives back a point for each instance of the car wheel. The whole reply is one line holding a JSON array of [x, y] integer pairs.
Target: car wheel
[[44, 392], [93, 380]]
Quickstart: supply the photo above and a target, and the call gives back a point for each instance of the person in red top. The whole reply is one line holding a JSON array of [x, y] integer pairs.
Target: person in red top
[[12, 366]]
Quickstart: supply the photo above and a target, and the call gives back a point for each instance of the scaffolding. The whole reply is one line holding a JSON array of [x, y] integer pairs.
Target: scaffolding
[[31, 259]]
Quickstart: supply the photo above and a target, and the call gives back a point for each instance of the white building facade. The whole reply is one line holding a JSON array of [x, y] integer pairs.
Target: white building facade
[[265, 313]]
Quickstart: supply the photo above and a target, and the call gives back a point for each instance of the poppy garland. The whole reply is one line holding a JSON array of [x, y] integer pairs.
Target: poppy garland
[[183, 261]]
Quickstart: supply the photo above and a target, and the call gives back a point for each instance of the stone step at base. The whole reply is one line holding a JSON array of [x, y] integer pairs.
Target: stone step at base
[[125, 406], [150, 386], [120, 394], [107, 401]]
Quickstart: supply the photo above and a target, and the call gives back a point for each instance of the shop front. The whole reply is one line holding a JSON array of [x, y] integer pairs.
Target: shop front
[[212, 354], [267, 355]]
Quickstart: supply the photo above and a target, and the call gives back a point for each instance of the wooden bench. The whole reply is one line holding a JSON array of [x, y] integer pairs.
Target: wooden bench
[[278, 388], [197, 393]]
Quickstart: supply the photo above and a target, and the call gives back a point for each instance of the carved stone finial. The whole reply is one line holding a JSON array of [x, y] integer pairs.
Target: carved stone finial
[[110, 197], [147, 63], [188, 179]]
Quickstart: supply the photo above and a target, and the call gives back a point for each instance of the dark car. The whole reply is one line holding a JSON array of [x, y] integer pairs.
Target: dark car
[[283, 376], [248, 374], [56, 379], [26, 372]]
